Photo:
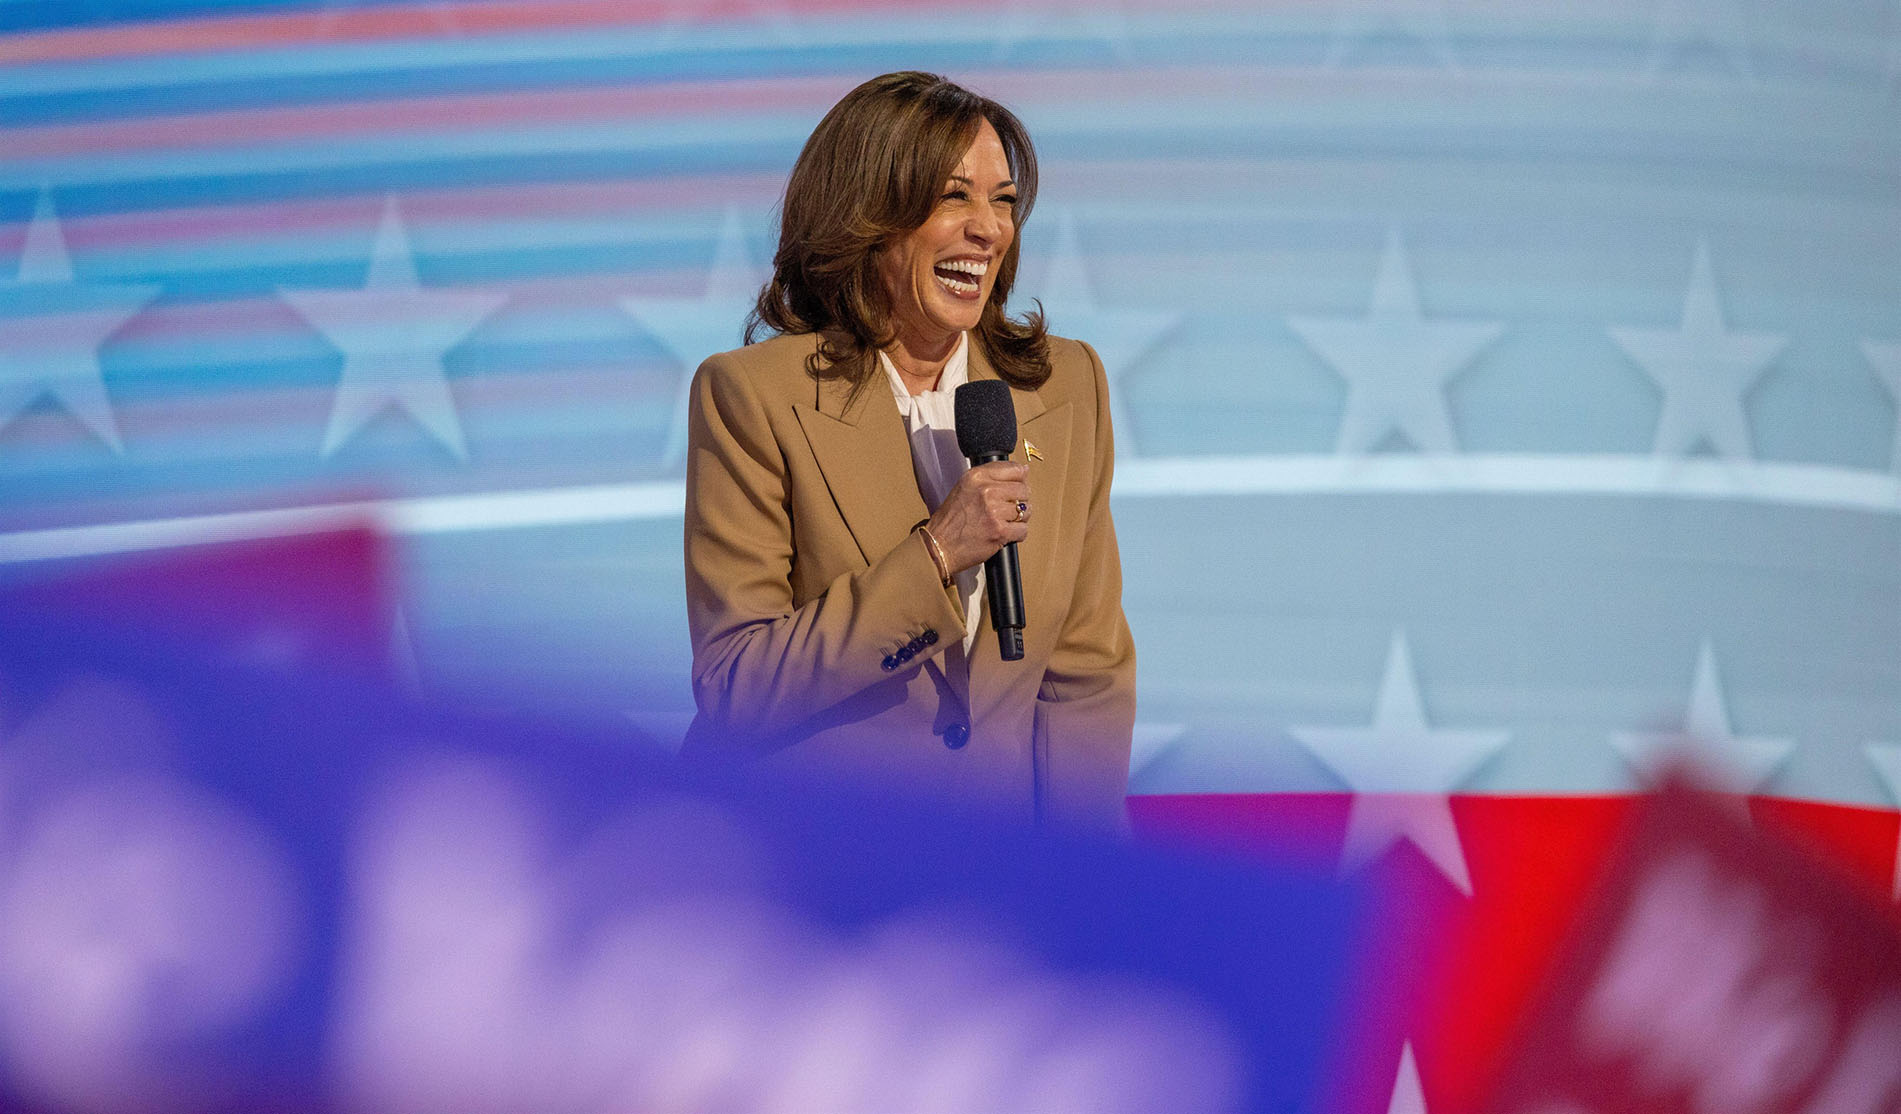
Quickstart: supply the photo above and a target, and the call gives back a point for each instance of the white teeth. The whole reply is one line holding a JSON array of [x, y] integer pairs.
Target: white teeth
[[951, 273]]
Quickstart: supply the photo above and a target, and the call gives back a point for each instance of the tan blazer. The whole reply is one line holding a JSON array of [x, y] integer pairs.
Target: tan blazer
[[822, 637]]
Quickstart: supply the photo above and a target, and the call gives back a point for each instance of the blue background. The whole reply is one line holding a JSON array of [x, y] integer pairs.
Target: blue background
[[1513, 213]]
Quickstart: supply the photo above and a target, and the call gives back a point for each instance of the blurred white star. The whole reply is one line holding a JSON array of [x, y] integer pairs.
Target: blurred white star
[[1151, 742], [51, 328], [691, 329], [1886, 359], [1745, 761], [403, 662], [1097, 20], [666, 729], [1121, 337], [1703, 369], [1402, 772], [1424, 20], [1396, 363], [1886, 759], [1726, 25], [393, 335], [1408, 1096]]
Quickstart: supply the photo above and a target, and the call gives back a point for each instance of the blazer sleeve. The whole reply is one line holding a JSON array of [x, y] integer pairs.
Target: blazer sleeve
[[761, 666], [1086, 704]]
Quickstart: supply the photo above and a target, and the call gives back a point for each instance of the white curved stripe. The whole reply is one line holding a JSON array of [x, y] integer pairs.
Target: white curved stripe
[[1796, 485], [1804, 485], [567, 506]]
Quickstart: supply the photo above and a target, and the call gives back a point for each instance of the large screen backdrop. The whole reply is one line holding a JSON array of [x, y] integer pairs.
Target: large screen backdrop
[[1500, 387]]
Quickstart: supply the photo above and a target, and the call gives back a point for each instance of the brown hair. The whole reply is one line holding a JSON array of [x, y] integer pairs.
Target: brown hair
[[872, 171]]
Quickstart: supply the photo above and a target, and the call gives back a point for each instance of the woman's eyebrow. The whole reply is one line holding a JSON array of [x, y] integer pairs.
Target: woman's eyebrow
[[968, 182]]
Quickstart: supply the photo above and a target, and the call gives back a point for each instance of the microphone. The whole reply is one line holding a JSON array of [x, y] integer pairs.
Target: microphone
[[986, 432]]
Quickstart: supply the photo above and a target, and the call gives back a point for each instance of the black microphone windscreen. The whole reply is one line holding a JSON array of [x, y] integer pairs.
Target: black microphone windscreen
[[986, 419]]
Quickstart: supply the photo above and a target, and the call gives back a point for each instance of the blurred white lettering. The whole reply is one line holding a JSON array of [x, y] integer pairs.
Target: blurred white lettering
[[1709, 993], [137, 914], [478, 977]]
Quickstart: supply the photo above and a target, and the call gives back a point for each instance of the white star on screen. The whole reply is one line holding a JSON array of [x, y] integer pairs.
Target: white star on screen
[[1151, 742], [1886, 359], [403, 662], [1408, 1096], [1121, 337], [666, 729], [1702, 368], [1886, 759], [1395, 362], [1724, 24], [691, 329], [1401, 772], [393, 335], [51, 328], [1424, 20], [1745, 761]]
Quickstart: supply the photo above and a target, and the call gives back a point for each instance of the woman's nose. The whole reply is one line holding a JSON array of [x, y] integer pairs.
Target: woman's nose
[[985, 225]]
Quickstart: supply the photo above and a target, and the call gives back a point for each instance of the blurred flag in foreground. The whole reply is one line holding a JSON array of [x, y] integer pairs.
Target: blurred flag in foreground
[[242, 869], [1717, 970]]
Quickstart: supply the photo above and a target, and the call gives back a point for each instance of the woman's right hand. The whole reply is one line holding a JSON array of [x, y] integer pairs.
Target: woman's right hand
[[979, 516]]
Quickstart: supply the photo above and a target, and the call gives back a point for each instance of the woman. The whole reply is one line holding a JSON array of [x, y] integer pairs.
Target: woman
[[834, 535]]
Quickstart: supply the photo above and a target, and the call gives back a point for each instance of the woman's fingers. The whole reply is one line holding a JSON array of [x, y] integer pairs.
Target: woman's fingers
[[1006, 498], [987, 509]]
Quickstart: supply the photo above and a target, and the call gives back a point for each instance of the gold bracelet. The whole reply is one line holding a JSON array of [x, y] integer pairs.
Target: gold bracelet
[[937, 551]]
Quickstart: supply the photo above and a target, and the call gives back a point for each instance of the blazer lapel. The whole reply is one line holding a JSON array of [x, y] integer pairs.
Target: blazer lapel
[[861, 446], [1049, 432]]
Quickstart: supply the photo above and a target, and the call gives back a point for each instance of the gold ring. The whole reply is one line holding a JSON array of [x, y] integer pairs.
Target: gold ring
[[1023, 510]]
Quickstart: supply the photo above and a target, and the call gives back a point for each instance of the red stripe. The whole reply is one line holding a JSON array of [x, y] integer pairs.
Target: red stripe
[[368, 24], [456, 113], [1534, 865], [261, 317], [1860, 841], [470, 18], [532, 110], [205, 228]]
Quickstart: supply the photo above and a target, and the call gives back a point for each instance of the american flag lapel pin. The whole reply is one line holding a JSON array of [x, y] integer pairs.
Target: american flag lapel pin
[[1029, 450]]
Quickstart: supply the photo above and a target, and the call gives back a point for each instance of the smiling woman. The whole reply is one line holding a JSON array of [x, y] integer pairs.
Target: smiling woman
[[834, 530], [885, 188], [938, 276]]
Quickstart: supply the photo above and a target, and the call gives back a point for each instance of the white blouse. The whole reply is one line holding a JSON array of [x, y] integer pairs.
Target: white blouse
[[931, 419]]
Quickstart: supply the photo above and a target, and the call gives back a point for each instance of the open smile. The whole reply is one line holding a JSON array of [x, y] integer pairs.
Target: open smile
[[963, 278]]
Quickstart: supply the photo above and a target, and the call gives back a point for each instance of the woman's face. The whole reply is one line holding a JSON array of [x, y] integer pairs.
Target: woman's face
[[939, 275]]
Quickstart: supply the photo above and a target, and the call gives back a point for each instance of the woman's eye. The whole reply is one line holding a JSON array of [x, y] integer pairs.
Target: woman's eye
[[1007, 199], [954, 195]]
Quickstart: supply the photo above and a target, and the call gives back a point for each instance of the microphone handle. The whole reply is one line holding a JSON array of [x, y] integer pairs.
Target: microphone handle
[[1003, 584]]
